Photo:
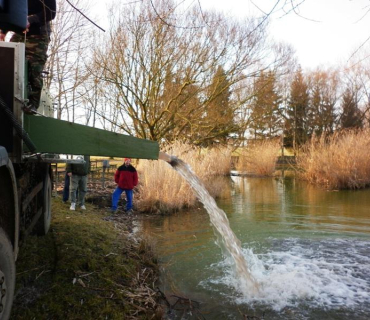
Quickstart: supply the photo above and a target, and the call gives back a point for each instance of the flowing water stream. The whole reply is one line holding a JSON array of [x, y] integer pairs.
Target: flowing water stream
[[304, 253], [227, 239]]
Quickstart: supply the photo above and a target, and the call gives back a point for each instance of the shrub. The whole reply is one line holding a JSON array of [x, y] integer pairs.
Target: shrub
[[162, 189], [341, 161], [259, 158]]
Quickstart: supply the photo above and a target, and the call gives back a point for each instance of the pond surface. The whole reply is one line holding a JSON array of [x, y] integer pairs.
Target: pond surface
[[309, 250]]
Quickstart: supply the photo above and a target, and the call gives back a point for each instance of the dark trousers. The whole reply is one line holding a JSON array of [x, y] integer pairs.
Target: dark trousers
[[66, 188]]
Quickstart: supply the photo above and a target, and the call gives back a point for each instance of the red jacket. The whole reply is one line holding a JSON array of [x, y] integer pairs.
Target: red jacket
[[126, 177]]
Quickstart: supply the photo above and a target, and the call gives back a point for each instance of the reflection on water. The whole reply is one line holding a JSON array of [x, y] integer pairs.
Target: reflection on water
[[307, 247], [291, 201]]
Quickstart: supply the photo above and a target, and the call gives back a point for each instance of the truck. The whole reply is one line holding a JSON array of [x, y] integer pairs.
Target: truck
[[26, 143]]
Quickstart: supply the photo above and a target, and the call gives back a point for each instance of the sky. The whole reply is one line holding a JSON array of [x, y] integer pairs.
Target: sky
[[322, 32]]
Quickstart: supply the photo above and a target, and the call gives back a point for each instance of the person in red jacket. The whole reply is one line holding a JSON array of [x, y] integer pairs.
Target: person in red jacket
[[126, 178]]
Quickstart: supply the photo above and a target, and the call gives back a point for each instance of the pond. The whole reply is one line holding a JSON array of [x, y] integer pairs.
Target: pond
[[309, 250]]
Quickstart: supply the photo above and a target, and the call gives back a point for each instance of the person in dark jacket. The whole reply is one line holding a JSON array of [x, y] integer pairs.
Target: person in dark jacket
[[127, 179], [78, 174], [37, 37]]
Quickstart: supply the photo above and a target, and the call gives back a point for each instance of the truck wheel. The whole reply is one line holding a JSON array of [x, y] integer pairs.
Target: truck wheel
[[7, 276], [43, 224]]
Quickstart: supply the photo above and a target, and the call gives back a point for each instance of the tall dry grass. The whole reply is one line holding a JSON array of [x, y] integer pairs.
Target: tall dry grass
[[259, 158], [163, 190], [341, 161]]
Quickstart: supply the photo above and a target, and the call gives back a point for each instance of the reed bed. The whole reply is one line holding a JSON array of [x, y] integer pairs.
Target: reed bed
[[163, 190], [259, 158], [341, 161]]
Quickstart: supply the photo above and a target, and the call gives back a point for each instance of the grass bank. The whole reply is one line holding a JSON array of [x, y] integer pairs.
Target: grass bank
[[87, 267]]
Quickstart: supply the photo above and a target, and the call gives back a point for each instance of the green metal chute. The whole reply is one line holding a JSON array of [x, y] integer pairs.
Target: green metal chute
[[57, 136]]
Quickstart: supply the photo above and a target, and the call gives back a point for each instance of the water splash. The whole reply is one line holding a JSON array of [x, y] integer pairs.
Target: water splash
[[247, 283], [307, 276]]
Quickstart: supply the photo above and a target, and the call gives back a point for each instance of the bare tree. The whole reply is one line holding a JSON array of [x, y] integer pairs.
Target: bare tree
[[69, 44], [163, 65]]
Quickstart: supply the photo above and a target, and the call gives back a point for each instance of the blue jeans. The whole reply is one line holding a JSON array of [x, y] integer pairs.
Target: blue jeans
[[117, 195]]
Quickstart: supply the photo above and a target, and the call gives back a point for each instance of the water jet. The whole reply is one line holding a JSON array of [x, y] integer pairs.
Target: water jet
[[247, 283]]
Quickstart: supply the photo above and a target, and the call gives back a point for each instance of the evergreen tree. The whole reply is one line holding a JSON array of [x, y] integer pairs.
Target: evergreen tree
[[351, 116], [218, 122], [296, 115], [266, 113], [185, 105], [321, 112]]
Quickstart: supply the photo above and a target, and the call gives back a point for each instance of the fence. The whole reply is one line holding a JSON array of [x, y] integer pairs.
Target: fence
[[100, 171]]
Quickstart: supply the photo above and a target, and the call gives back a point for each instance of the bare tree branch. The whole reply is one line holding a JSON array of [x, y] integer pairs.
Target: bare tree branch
[[84, 15]]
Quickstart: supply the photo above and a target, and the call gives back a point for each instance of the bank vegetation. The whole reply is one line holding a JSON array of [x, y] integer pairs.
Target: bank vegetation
[[259, 157], [339, 161], [163, 190]]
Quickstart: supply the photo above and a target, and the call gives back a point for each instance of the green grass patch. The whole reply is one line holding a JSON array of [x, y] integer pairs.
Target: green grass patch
[[85, 268]]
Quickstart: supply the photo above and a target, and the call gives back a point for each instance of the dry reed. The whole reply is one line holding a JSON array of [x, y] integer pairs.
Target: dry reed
[[259, 158], [163, 190], [341, 161]]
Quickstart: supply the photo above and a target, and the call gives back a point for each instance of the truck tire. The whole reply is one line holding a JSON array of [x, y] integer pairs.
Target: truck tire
[[43, 224], [7, 276]]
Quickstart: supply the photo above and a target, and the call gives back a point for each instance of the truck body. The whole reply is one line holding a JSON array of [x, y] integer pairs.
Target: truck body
[[25, 173], [25, 187]]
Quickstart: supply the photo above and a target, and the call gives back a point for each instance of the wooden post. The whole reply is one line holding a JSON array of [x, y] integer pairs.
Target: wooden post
[[103, 178]]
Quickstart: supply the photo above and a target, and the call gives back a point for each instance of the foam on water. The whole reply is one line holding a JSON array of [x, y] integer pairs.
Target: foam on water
[[324, 274]]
